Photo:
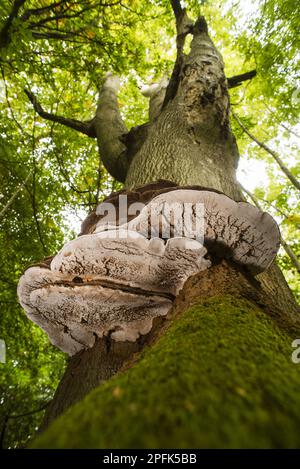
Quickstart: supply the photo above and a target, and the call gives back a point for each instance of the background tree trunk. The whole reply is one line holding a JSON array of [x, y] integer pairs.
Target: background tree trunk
[[226, 370]]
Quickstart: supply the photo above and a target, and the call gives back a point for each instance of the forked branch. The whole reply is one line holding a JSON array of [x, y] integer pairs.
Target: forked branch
[[107, 126], [271, 152]]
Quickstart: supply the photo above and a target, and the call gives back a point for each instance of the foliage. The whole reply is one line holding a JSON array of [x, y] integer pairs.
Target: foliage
[[51, 176], [269, 104], [169, 398]]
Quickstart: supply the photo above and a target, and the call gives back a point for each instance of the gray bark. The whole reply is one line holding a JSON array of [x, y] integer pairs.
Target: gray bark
[[110, 129], [191, 141]]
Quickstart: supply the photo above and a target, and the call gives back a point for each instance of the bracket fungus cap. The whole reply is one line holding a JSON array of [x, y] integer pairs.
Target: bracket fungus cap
[[116, 280]]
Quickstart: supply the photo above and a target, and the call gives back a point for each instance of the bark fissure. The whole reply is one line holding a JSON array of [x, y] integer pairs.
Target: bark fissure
[[115, 286]]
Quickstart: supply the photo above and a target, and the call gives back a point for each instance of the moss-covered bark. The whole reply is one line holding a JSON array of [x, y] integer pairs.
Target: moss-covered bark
[[220, 376]]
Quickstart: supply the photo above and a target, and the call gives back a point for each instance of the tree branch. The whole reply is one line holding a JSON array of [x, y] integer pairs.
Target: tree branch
[[111, 130], [55, 35], [86, 128], [60, 16], [25, 414], [183, 26], [284, 244], [34, 411], [3, 430], [8, 103], [19, 188], [271, 152], [177, 9], [33, 193], [98, 184], [279, 121], [238, 79], [291, 254], [5, 31], [40, 11], [66, 175]]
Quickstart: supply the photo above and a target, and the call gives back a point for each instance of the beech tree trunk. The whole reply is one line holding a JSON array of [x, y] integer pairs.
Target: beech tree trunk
[[189, 141]]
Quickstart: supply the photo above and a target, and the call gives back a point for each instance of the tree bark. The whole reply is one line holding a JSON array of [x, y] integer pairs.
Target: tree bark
[[217, 372], [189, 143]]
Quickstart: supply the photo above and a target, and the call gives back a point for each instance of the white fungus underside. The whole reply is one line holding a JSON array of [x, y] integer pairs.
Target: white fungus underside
[[73, 315]]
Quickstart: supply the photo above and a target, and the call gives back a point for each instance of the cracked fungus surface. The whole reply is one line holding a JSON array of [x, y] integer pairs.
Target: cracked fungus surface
[[220, 377], [118, 293]]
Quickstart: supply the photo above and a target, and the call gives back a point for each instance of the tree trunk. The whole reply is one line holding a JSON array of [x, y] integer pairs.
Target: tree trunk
[[218, 372], [191, 141]]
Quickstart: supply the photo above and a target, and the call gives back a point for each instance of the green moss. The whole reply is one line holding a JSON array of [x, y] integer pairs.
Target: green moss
[[221, 376]]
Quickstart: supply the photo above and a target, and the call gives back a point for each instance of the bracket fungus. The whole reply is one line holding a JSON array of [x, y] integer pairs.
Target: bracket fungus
[[115, 278]]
